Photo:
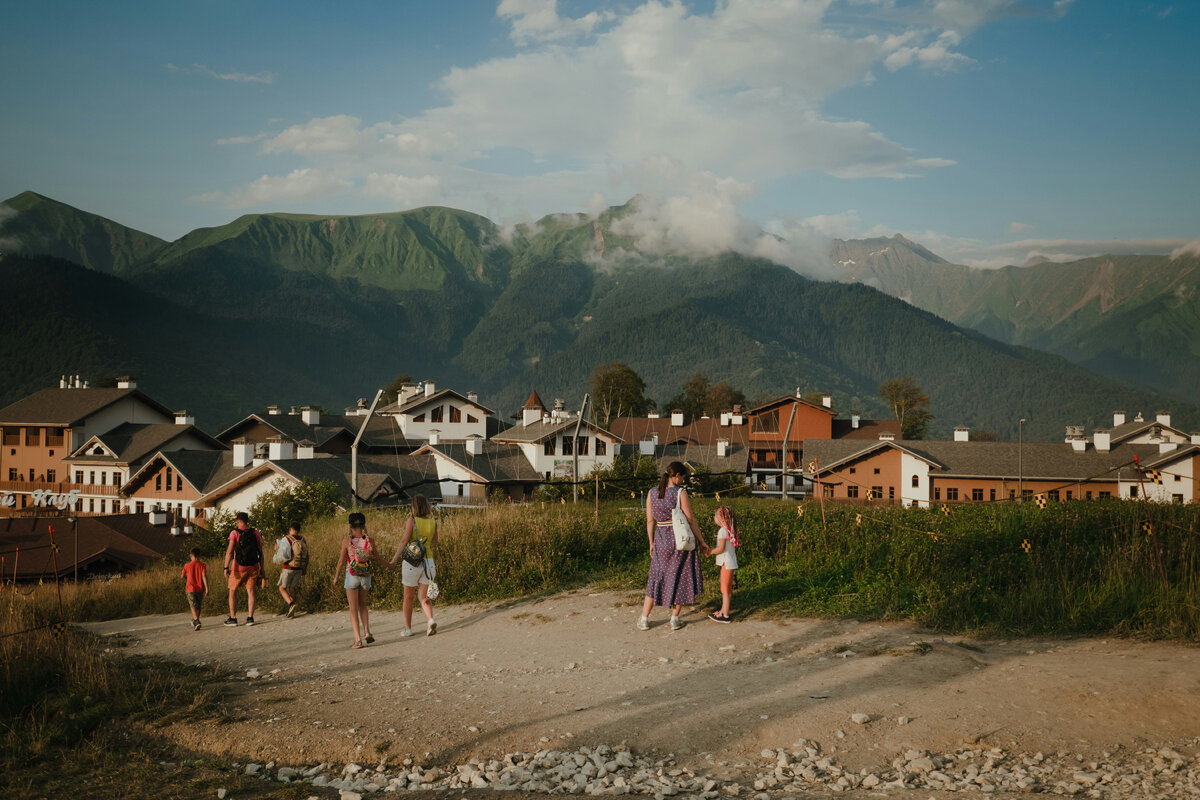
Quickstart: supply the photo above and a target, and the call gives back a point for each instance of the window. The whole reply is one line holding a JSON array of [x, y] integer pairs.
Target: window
[[876, 492], [419, 418], [916, 482], [766, 423], [891, 493], [168, 479], [471, 420], [103, 506], [33, 436], [1012, 493], [914, 504], [1106, 494], [92, 477], [566, 448], [601, 447], [877, 470], [435, 414], [1088, 495], [1178, 477], [116, 479], [583, 445], [12, 437], [827, 490], [460, 490], [937, 493], [992, 495], [32, 475], [455, 414], [51, 475], [103, 478], [977, 495], [1053, 495], [1132, 490], [12, 474], [851, 491], [852, 469], [139, 507], [91, 506], [951, 492], [54, 437], [158, 482], [1070, 494], [79, 476], [548, 447], [1177, 498], [178, 482]]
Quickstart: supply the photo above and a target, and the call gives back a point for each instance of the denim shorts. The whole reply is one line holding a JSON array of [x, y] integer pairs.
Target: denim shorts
[[357, 581]]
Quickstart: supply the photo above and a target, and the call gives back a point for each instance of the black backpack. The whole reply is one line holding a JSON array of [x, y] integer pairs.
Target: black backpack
[[247, 552]]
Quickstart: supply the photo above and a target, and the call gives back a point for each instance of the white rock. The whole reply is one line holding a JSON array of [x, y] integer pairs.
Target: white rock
[[903, 721], [251, 673], [287, 774], [221, 793], [253, 769], [860, 718]]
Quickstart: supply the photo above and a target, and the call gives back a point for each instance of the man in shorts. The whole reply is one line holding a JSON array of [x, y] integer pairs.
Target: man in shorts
[[292, 571], [195, 574], [243, 566]]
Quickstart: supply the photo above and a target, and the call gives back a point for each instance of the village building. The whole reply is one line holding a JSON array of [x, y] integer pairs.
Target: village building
[[86, 546], [471, 472], [41, 431], [559, 444], [425, 411]]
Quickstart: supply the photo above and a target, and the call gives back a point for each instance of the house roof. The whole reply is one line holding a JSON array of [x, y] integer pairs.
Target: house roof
[[788, 399], [293, 427], [736, 458], [1131, 429], [126, 541], [198, 467], [420, 400], [542, 429], [496, 463], [867, 428], [1010, 460], [705, 431], [131, 442], [71, 406]]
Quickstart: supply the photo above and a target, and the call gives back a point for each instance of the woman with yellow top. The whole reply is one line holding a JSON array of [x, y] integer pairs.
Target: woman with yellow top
[[416, 577]]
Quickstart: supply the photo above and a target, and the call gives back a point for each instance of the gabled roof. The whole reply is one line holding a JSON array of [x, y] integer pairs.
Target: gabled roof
[[790, 399], [496, 463], [736, 458], [533, 401], [867, 428], [130, 442], [1171, 456], [126, 541], [413, 403], [703, 431], [832, 454], [293, 428], [71, 406], [540, 430], [1128, 430], [197, 467]]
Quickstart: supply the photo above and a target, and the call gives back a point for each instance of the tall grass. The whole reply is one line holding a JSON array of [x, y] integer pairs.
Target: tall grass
[[1090, 566]]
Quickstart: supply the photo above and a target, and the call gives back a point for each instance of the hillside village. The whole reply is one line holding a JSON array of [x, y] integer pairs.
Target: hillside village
[[109, 451]]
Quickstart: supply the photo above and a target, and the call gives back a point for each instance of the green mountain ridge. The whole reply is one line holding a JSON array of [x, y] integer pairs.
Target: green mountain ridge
[[294, 309]]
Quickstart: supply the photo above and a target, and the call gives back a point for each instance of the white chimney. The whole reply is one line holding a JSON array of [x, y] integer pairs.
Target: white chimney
[[530, 415], [62, 382], [273, 411], [310, 415], [1101, 440], [243, 453], [722, 448], [1163, 418], [434, 436], [157, 516], [736, 417], [962, 433], [78, 382], [1079, 444], [407, 392], [184, 418], [472, 396], [887, 437], [652, 414], [725, 419], [827, 400], [797, 392], [1118, 418], [126, 382], [279, 450], [1196, 438], [646, 445], [305, 449], [854, 419], [676, 419], [430, 388], [474, 445]]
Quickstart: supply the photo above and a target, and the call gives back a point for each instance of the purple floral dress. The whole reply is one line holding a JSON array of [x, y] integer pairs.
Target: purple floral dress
[[675, 577]]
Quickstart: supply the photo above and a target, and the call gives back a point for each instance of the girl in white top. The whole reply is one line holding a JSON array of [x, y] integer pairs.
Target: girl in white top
[[726, 553]]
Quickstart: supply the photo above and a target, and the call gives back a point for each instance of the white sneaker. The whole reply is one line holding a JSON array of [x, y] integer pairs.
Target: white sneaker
[[643, 623], [676, 624], [406, 632], [432, 629]]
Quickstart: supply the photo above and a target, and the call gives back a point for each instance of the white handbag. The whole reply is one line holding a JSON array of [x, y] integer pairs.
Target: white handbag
[[684, 538]]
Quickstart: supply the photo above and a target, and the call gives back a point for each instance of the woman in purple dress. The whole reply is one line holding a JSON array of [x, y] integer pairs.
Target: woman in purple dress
[[675, 578]]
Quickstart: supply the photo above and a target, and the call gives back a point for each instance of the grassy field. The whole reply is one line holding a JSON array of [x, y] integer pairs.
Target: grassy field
[[1102, 568]]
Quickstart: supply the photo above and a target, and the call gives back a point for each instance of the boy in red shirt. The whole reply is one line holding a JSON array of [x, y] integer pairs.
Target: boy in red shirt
[[195, 573]]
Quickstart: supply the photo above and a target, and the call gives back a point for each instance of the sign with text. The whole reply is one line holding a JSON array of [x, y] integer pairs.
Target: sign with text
[[43, 498]]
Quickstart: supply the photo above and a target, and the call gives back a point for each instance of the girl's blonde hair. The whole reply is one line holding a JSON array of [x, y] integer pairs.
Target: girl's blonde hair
[[729, 522], [420, 506]]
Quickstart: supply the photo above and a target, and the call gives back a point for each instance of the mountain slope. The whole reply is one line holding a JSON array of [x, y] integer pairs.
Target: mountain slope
[[33, 224]]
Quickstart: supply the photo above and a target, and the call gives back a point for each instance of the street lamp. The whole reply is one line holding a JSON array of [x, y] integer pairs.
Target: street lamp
[[1020, 461]]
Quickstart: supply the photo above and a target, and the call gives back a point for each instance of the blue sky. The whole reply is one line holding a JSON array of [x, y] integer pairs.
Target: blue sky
[[992, 131]]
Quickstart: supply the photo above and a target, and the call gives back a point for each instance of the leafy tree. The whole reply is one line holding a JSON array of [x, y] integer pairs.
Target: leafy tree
[[985, 435], [720, 397], [617, 391], [909, 405], [286, 503], [700, 397], [392, 390]]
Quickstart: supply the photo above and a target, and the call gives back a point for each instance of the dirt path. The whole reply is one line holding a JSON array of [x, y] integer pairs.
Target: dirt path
[[571, 670]]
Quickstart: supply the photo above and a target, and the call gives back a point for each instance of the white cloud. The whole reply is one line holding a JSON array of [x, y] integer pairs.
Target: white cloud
[[401, 190], [1019, 227], [937, 56], [242, 139], [297, 186], [234, 77], [336, 134], [538, 20]]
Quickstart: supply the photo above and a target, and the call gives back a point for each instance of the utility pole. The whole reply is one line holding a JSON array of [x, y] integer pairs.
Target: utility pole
[[575, 451], [354, 452], [1020, 460]]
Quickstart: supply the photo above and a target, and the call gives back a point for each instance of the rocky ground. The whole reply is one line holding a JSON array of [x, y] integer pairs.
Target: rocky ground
[[563, 694]]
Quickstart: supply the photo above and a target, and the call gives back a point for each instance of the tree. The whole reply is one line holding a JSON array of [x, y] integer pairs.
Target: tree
[[286, 503], [909, 405], [721, 397], [392, 390], [699, 397], [617, 391]]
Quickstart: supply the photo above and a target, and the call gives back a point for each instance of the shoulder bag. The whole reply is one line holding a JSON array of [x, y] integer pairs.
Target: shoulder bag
[[684, 538]]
